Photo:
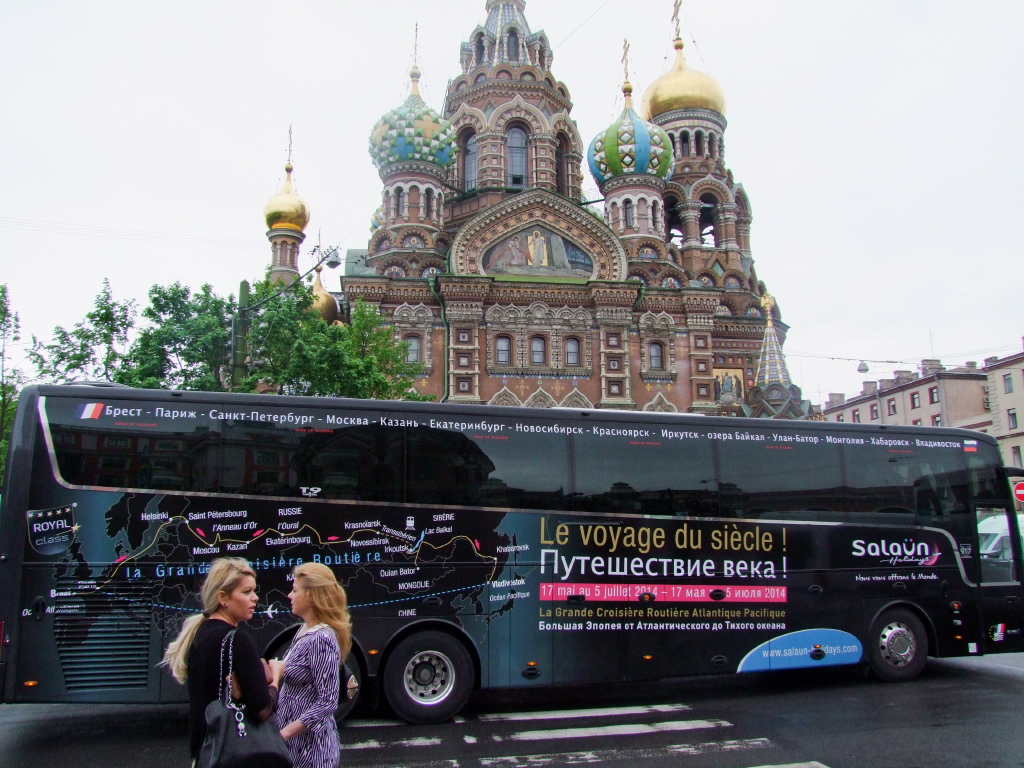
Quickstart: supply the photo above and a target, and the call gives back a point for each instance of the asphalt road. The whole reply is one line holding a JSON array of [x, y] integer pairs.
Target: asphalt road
[[960, 712]]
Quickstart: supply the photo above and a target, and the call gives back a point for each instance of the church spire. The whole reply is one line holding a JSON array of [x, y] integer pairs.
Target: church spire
[[771, 368]]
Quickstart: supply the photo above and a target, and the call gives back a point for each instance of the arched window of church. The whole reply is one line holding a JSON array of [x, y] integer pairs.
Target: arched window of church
[[542, 58], [517, 158], [538, 351], [480, 48], [700, 144], [428, 204], [572, 353], [561, 169], [412, 353], [627, 213], [684, 143], [656, 356], [711, 145], [399, 201], [655, 217], [469, 162], [513, 46], [708, 219], [503, 350]]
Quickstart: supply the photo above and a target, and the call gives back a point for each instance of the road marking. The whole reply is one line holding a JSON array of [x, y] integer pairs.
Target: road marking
[[371, 723], [420, 741], [613, 730], [812, 764], [567, 714], [731, 745], [620, 755]]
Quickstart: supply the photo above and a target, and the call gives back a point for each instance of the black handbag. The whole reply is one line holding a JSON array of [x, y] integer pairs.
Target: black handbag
[[234, 740]]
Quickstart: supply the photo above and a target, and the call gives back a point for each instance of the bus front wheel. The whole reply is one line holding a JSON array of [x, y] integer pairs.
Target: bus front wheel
[[428, 677], [898, 647]]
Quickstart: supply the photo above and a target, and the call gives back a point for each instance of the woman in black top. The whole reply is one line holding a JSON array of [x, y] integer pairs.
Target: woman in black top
[[229, 599]]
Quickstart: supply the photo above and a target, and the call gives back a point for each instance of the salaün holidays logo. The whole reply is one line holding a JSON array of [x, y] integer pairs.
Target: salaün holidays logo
[[971, 446], [91, 411]]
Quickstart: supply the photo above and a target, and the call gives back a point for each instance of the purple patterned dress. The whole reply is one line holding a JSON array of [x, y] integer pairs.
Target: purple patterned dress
[[309, 693]]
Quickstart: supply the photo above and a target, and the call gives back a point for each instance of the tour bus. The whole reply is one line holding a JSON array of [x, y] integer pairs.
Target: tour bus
[[486, 547]]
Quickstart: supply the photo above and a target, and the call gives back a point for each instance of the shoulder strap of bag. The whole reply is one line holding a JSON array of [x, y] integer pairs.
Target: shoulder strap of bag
[[225, 687]]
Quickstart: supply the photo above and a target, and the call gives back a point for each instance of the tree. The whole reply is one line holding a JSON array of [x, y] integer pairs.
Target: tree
[[186, 344], [381, 369], [11, 378], [93, 348]]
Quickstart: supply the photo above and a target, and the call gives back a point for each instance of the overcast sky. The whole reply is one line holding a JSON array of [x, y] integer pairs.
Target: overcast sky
[[879, 143]]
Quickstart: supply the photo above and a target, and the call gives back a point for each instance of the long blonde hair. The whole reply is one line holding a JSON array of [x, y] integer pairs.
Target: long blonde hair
[[328, 601], [225, 575]]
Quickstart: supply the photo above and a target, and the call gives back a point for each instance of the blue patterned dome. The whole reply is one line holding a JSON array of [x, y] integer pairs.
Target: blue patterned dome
[[377, 220], [413, 131], [630, 145]]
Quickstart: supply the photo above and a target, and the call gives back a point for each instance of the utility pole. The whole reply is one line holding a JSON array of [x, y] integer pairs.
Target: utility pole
[[239, 331]]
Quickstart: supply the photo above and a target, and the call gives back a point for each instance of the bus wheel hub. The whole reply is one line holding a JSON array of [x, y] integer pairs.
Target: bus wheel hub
[[428, 677], [897, 643]]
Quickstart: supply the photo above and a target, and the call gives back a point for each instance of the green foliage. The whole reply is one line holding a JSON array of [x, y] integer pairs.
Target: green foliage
[[186, 344], [381, 368], [11, 378], [93, 348]]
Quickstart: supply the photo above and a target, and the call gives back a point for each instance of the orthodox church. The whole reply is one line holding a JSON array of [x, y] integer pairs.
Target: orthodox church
[[510, 289]]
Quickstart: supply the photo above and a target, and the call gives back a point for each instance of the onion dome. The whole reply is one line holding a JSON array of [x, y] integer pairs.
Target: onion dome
[[682, 88], [323, 302], [286, 210], [413, 131], [630, 145], [377, 220]]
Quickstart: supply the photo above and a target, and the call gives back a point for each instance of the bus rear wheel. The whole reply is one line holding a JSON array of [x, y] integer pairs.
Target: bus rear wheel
[[898, 647], [428, 677]]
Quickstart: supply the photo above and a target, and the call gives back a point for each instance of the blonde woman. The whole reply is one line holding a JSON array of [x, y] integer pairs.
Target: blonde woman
[[229, 599], [312, 667]]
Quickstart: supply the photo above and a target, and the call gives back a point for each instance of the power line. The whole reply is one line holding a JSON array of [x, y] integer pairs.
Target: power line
[[85, 230]]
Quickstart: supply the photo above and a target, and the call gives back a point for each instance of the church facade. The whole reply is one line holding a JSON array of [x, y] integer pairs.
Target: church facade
[[510, 290]]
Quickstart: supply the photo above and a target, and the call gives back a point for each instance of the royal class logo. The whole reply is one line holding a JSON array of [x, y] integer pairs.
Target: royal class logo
[[91, 411], [896, 552]]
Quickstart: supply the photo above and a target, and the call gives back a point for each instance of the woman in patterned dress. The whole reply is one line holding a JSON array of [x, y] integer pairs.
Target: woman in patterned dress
[[312, 668]]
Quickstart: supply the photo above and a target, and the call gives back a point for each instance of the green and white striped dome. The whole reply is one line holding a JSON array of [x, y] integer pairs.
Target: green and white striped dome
[[630, 145]]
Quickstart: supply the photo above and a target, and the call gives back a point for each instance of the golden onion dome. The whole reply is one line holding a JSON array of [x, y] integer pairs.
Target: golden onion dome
[[286, 210], [323, 302], [682, 88]]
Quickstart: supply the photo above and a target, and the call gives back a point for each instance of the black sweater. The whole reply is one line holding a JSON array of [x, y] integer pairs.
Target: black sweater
[[204, 684]]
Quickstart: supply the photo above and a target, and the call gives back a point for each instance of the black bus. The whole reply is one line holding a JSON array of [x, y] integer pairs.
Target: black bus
[[486, 547]]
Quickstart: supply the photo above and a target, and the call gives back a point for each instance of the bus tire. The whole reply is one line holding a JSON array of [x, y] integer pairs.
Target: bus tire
[[428, 677], [349, 689], [898, 646]]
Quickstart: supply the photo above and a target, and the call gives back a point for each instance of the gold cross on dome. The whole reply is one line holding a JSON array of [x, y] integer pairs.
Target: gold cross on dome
[[428, 126], [625, 58], [675, 14]]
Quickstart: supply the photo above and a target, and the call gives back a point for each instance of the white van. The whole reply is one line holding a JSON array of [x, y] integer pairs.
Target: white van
[[994, 536]]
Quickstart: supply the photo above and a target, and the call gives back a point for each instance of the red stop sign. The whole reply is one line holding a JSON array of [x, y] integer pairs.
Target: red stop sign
[[1018, 490]]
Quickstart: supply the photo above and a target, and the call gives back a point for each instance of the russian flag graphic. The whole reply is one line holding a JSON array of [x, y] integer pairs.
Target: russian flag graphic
[[971, 446], [91, 411]]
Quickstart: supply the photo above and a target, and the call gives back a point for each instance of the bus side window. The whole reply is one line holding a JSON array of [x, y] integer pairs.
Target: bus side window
[[995, 548], [361, 463], [763, 478], [622, 474]]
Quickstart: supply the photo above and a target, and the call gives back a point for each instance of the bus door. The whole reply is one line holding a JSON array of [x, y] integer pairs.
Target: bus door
[[999, 579]]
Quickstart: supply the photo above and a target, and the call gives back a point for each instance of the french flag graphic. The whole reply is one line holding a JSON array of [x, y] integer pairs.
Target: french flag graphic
[[971, 446], [91, 411]]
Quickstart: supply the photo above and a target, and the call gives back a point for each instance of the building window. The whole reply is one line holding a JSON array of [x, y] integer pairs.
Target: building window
[[703, 391], [915, 399], [1007, 383], [503, 350], [627, 213], [538, 351], [470, 167], [463, 360], [463, 336], [614, 363], [1011, 418], [1015, 456], [891, 406], [613, 340], [874, 410], [615, 388], [936, 421], [399, 201], [933, 395], [513, 46], [412, 353], [517, 158], [916, 422], [464, 385], [702, 366], [855, 416], [561, 171], [656, 357], [572, 353], [700, 342], [480, 48], [428, 204], [840, 417]]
